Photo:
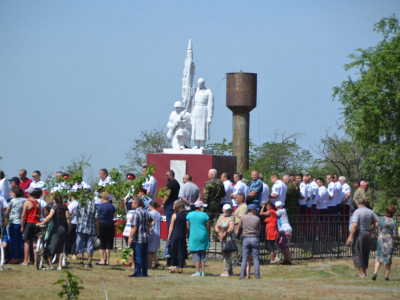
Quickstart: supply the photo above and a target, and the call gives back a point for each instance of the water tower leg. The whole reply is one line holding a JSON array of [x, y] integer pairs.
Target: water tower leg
[[241, 124]]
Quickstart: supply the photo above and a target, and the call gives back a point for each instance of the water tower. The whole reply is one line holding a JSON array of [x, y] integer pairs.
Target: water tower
[[241, 98]]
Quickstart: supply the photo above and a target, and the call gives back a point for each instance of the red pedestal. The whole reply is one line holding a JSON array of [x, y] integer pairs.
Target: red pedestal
[[197, 165]]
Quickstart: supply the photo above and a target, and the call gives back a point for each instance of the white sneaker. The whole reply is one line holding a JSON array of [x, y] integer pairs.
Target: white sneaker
[[224, 275]]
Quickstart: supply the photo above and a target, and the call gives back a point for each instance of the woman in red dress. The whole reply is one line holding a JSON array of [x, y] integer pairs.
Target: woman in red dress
[[271, 227]]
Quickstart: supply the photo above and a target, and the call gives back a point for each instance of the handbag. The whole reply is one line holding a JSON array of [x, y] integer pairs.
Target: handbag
[[229, 245]]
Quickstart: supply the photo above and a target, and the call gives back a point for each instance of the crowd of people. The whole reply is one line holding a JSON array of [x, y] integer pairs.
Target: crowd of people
[[231, 213]]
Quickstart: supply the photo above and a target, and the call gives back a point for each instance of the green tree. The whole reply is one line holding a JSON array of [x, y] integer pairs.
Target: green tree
[[282, 155], [372, 107], [78, 164], [150, 141], [341, 155]]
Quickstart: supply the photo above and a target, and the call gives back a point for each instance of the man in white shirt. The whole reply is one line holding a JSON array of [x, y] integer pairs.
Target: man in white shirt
[[104, 180], [303, 197], [315, 189], [60, 183], [150, 184], [345, 205], [332, 200], [337, 194], [322, 199], [225, 178], [38, 184], [4, 188], [265, 192], [239, 187], [278, 190]]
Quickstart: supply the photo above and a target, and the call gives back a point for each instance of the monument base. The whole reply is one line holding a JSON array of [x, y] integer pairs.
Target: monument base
[[196, 165], [187, 151]]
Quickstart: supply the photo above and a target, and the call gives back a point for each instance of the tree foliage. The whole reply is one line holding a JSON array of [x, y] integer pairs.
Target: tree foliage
[[372, 106], [341, 155], [150, 141], [282, 155], [78, 164]]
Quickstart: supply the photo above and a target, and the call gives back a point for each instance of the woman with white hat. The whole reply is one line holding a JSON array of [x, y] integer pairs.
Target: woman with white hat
[[224, 227], [285, 232]]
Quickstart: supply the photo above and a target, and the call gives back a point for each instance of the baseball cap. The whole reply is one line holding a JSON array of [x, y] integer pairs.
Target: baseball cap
[[29, 190], [15, 179], [251, 207], [199, 203], [226, 207], [278, 204]]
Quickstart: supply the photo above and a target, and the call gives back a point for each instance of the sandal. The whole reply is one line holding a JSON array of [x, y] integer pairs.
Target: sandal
[[180, 270], [172, 270]]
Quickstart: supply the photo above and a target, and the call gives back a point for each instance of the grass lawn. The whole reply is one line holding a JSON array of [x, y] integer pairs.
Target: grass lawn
[[328, 279]]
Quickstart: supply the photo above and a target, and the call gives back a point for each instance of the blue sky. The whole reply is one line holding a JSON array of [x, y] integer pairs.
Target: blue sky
[[89, 76]]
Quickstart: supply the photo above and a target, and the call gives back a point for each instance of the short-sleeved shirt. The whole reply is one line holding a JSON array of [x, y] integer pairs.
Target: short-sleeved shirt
[[240, 211], [284, 220], [346, 189], [322, 198], [128, 225], [3, 206], [337, 194], [303, 193], [228, 191], [151, 186], [174, 187], [190, 191], [315, 189], [24, 184], [198, 237], [279, 188], [239, 187], [363, 216], [265, 193], [38, 185], [16, 206], [106, 212], [141, 219], [72, 207], [331, 191], [255, 186], [86, 218], [251, 225]]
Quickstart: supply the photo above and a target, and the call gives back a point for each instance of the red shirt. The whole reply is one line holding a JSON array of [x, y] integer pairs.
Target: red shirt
[[24, 185], [272, 226]]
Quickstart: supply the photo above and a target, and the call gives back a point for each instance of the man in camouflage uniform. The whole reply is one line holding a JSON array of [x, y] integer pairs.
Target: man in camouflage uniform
[[292, 196], [213, 191]]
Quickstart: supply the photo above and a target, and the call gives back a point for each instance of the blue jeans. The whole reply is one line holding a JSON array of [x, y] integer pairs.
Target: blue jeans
[[250, 244], [140, 258], [17, 244]]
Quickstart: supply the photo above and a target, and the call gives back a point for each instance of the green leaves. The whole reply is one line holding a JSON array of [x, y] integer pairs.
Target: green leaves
[[372, 106], [69, 285]]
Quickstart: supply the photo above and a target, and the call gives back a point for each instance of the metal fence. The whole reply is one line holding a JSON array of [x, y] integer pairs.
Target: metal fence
[[314, 237]]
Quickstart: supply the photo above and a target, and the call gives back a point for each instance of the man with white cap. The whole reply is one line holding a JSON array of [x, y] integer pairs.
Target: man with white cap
[[251, 225], [285, 231]]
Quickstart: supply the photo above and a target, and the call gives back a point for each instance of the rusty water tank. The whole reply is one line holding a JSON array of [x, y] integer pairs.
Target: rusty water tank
[[241, 91]]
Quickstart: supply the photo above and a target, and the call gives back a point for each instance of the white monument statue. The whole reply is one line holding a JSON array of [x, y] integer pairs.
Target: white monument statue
[[202, 115], [179, 127], [192, 118]]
